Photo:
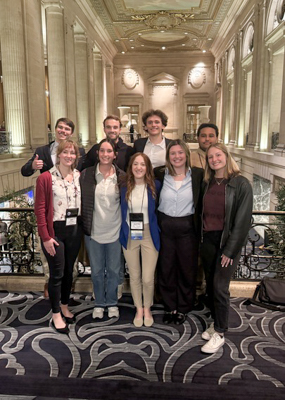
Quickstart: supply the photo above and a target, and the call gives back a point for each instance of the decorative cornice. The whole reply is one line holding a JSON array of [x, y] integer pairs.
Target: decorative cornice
[[162, 20]]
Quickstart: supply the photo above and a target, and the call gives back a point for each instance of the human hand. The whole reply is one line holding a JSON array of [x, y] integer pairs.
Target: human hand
[[49, 246], [37, 164], [226, 261]]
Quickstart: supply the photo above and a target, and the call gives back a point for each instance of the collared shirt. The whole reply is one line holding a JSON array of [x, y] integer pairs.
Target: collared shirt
[[138, 203], [106, 213], [53, 151], [156, 152], [65, 194], [176, 202]]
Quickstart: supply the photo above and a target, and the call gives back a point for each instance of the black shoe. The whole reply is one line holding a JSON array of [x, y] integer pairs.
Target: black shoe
[[69, 320], [179, 318], [168, 318], [64, 330]]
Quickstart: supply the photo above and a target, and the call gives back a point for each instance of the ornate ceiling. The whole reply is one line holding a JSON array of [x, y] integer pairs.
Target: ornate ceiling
[[161, 25]]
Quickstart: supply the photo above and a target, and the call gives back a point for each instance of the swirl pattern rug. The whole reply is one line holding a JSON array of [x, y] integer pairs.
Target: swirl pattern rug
[[112, 357]]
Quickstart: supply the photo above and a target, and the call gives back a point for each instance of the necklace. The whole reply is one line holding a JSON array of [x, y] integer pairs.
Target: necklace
[[219, 183], [180, 174]]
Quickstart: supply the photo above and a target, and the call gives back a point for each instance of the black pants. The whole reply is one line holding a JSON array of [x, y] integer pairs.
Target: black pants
[[218, 279], [61, 264], [177, 263]]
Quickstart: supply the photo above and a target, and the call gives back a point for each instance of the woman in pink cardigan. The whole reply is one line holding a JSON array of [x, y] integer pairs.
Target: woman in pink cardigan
[[57, 208]]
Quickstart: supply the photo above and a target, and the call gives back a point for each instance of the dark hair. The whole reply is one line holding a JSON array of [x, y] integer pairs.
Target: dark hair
[[208, 125], [111, 142], [152, 112], [149, 175], [67, 121], [183, 145], [63, 145], [111, 116]]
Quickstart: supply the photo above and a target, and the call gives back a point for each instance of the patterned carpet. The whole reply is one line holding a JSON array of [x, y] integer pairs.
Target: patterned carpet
[[114, 352]]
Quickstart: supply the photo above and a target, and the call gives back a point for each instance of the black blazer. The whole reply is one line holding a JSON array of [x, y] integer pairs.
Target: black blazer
[[44, 154], [197, 182]]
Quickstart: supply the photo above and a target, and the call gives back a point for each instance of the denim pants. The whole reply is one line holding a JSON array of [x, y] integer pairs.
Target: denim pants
[[105, 262], [218, 279]]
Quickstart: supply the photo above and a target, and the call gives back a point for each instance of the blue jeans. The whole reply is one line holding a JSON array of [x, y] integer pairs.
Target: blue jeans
[[105, 262]]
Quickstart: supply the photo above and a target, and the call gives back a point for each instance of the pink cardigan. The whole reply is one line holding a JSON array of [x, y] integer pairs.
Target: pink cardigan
[[44, 206]]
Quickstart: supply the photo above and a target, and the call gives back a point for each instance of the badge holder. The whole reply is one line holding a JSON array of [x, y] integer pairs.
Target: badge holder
[[71, 216], [136, 226]]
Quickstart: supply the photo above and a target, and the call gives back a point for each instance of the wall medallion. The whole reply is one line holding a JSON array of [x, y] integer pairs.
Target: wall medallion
[[196, 78], [130, 78]]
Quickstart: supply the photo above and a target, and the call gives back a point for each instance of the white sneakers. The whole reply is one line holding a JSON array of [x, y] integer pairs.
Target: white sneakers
[[208, 333], [214, 344], [113, 312], [98, 312]]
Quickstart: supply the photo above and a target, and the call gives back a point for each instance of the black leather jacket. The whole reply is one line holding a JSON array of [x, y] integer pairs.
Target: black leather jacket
[[238, 214]]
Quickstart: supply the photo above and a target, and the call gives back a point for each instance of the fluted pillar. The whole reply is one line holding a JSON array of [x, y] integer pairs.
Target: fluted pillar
[[14, 73], [224, 95], [56, 61], [110, 89], [81, 70], [99, 94]]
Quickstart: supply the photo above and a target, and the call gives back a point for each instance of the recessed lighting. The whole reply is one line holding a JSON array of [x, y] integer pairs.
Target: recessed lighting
[[162, 31], [163, 48], [210, 38], [117, 40], [142, 45], [123, 52], [204, 51], [183, 44], [131, 40], [132, 47], [185, 33], [194, 40], [139, 34]]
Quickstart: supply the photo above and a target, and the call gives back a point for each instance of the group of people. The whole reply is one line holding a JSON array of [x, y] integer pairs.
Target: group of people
[[156, 202]]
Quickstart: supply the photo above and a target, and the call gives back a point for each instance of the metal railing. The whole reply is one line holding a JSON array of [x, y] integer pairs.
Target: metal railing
[[20, 246]]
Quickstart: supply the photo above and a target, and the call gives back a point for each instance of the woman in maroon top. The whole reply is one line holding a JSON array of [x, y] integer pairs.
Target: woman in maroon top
[[227, 211]]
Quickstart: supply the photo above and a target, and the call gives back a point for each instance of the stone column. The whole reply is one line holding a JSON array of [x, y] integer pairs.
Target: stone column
[[280, 149], [14, 73], [81, 70], [36, 73], [56, 61], [110, 88], [237, 91], [257, 78], [224, 95], [99, 94]]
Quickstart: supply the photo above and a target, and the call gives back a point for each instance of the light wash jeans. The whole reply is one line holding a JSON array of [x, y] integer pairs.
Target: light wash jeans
[[105, 262]]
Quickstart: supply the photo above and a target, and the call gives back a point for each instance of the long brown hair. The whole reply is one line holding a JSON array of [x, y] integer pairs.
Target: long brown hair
[[231, 170], [149, 176]]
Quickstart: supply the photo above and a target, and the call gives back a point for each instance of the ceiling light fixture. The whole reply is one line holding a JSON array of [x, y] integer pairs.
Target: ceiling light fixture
[[123, 52], [204, 51], [163, 48]]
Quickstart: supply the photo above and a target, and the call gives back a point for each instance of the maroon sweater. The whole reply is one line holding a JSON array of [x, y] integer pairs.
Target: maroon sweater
[[44, 206], [214, 207]]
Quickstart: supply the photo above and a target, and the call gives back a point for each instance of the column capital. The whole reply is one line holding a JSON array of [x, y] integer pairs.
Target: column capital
[[52, 4]]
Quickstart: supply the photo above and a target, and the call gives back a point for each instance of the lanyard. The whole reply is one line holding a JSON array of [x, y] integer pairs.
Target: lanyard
[[142, 199], [66, 188]]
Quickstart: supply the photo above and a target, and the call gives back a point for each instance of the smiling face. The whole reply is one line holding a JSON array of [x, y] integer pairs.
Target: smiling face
[[112, 129], [217, 161], [154, 126], [62, 132], [177, 156], [106, 154], [67, 157], [207, 137], [139, 168]]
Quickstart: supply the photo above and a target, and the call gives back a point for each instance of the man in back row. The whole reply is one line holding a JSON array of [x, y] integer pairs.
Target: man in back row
[[207, 134], [44, 157], [112, 127]]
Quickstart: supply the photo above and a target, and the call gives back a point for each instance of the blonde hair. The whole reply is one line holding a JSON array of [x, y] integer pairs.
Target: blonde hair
[[63, 145], [183, 145], [231, 169]]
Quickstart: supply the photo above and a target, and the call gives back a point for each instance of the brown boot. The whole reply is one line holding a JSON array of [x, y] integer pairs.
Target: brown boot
[[46, 295]]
